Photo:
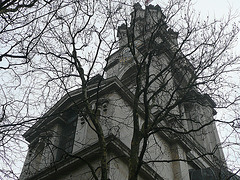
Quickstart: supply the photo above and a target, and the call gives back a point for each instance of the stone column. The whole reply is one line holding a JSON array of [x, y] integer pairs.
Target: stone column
[[180, 168]]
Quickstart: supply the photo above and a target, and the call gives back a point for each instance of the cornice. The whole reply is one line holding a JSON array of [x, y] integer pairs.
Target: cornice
[[73, 161], [107, 86]]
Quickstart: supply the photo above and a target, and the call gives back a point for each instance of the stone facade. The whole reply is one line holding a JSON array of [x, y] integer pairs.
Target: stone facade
[[63, 140]]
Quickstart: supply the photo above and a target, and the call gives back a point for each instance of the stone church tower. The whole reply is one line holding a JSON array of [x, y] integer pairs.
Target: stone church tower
[[62, 143]]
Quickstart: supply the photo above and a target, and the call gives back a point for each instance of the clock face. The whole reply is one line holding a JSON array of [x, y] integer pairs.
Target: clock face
[[125, 55], [138, 43]]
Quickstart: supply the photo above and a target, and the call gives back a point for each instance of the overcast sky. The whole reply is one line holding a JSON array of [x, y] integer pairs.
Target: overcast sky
[[214, 8], [218, 9]]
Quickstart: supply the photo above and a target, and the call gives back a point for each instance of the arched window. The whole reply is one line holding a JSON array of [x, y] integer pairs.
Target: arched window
[[129, 77]]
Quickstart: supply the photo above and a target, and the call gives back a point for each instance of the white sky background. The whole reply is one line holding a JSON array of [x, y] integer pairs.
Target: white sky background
[[219, 9]]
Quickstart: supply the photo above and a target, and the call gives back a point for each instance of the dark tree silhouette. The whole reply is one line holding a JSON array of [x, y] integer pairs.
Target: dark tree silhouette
[[171, 67]]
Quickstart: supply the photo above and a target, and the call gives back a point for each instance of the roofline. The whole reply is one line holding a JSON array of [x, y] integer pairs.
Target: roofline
[[110, 84]]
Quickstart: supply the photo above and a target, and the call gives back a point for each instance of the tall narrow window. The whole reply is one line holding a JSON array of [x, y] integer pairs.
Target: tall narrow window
[[80, 136], [68, 134]]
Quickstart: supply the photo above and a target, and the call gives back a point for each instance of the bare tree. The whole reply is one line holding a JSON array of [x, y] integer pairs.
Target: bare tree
[[169, 60], [19, 33]]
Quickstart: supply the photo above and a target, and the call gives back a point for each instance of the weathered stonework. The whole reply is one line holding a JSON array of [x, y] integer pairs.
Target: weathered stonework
[[71, 132]]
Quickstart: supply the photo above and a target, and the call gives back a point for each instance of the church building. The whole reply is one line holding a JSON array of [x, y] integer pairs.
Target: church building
[[183, 143]]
